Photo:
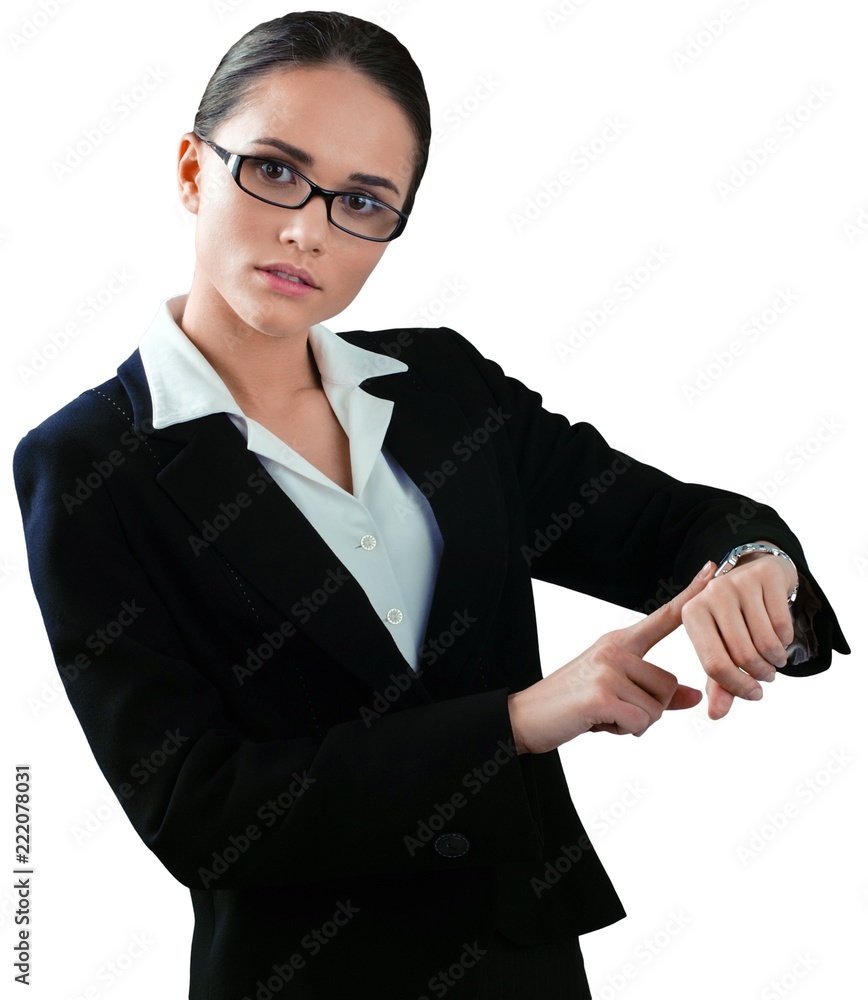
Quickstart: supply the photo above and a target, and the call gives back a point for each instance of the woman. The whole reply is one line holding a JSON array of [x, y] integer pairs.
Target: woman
[[286, 575]]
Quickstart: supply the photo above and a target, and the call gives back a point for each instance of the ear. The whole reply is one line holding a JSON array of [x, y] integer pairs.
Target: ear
[[189, 168]]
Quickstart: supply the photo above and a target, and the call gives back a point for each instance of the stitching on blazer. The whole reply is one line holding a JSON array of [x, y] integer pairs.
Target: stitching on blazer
[[129, 420]]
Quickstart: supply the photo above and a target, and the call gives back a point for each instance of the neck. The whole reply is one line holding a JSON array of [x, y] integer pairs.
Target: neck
[[265, 374]]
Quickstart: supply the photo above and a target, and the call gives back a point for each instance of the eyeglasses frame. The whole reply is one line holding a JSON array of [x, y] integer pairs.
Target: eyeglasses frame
[[234, 168]]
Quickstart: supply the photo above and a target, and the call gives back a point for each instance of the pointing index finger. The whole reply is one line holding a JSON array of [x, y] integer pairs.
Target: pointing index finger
[[644, 634]]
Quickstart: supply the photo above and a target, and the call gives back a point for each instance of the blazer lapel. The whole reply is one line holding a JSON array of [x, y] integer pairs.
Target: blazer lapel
[[466, 497], [276, 548]]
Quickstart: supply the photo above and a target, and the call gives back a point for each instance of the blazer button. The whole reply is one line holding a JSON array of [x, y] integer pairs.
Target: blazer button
[[452, 845]]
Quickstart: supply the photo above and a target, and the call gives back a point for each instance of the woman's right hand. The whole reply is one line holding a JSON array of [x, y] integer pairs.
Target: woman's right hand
[[609, 687]]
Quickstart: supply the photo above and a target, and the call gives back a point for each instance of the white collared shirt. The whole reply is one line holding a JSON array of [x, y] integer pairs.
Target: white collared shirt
[[384, 532]]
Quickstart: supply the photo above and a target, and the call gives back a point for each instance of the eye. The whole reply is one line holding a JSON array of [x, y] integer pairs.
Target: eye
[[361, 204], [274, 172]]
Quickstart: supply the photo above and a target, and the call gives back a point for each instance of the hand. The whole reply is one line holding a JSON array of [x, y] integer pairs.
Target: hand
[[608, 688], [740, 626]]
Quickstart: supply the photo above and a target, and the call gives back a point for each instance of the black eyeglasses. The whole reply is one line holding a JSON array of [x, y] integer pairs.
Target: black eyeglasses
[[276, 183]]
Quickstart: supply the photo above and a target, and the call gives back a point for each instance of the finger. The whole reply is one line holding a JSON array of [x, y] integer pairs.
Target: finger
[[684, 697], [639, 638], [653, 687], [719, 699], [780, 617], [729, 616], [703, 632], [763, 634]]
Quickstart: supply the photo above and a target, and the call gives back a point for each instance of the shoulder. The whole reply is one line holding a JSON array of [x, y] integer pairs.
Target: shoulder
[[92, 422]]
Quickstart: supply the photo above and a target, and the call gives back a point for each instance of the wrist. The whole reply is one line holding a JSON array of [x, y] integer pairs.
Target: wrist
[[512, 706], [750, 551]]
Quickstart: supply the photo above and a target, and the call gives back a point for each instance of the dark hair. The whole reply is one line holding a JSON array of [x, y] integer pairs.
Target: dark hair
[[312, 37]]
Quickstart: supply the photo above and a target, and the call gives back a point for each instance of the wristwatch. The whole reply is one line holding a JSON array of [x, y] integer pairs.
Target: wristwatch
[[733, 556]]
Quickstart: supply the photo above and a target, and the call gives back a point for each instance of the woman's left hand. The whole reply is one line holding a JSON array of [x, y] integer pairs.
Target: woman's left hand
[[740, 626]]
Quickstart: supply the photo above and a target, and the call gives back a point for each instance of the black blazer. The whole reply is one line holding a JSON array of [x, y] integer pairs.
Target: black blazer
[[342, 824]]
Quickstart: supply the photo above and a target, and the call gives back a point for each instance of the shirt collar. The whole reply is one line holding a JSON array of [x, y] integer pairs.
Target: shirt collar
[[172, 362], [185, 386]]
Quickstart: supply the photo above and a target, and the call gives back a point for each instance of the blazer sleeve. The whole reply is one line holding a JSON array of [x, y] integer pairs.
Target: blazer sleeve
[[219, 809], [601, 522]]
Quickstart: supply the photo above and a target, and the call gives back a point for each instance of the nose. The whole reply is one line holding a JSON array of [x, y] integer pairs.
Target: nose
[[307, 226]]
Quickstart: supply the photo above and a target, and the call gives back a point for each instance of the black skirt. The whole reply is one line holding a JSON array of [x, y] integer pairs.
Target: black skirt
[[551, 971]]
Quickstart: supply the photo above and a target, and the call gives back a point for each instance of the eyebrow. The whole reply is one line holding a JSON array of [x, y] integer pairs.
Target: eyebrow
[[307, 160]]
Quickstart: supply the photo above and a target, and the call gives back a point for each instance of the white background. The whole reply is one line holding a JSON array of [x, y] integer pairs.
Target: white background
[[700, 791]]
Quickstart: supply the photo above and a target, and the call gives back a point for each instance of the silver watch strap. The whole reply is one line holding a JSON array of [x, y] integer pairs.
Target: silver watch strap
[[733, 556]]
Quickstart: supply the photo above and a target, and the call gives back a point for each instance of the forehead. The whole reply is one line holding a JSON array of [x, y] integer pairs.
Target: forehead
[[343, 119]]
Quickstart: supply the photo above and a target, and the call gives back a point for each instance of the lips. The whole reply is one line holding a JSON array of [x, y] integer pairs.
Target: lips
[[290, 272]]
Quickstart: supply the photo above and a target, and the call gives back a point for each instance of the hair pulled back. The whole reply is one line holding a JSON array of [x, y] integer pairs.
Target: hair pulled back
[[309, 38]]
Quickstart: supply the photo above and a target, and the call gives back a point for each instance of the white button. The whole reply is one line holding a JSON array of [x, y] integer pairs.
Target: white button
[[393, 616], [368, 541]]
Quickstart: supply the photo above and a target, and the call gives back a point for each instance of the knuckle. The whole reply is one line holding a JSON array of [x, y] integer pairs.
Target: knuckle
[[717, 585], [607, 649], [783, 626], [746, 657], [716, 669], [695, 606]]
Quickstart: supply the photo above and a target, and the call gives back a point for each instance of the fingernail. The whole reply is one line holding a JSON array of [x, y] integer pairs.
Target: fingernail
[[756, 694], [705, 571]]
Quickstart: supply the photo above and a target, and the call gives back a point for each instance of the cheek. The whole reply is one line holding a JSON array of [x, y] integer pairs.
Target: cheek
[[223, 238], [222, 223], [357, 264]]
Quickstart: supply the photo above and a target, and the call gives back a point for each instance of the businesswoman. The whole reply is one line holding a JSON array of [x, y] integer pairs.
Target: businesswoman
[[293, 570]]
